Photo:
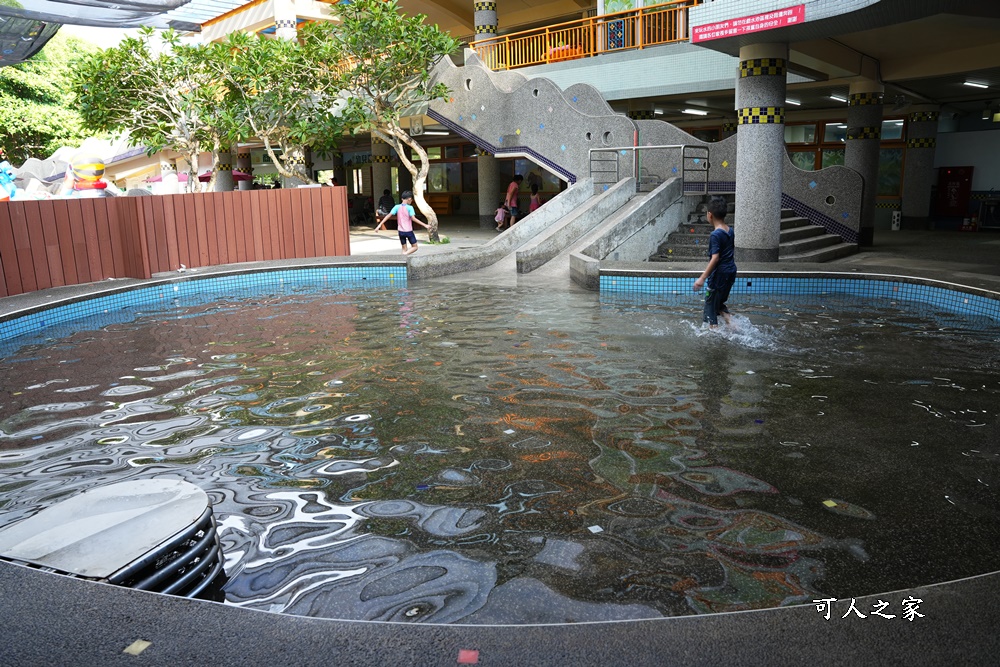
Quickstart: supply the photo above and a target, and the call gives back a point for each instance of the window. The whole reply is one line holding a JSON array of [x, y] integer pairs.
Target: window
[[804, 159], [832, 157], [834, 132], [892, 130], [357, 181], [800, 134], [446, 177], [433, 152], [890, 172]]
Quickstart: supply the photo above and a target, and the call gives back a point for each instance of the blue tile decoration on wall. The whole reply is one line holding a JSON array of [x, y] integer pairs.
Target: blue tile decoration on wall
[[868, 288], [126, 305]]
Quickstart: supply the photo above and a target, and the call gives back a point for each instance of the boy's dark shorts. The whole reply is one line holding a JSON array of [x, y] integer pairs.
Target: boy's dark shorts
[[717, 293], [407, 236]]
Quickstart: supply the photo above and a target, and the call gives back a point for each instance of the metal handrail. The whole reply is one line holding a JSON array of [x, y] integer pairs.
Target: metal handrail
[[692, 159], [664, 23]]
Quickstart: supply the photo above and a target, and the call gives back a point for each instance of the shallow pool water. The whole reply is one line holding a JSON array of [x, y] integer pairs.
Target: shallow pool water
[[463, 454]]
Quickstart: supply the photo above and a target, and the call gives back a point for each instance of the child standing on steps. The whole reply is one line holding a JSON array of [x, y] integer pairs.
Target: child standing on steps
[[720, 273], [404, 222]]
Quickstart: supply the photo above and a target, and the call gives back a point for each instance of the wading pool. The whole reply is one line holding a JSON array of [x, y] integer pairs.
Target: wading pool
[[465, 454]]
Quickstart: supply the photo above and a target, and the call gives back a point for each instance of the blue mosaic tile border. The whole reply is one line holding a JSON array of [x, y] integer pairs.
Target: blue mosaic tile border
[[496, 150], [727, 187], [869, 287], [127, 304], [817, 218]]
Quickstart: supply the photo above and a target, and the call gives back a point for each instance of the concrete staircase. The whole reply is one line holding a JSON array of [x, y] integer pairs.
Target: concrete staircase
[[800, 240]]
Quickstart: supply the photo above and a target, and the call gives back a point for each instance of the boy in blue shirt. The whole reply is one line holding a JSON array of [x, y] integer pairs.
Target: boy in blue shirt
[[720, 273], [404, 222]]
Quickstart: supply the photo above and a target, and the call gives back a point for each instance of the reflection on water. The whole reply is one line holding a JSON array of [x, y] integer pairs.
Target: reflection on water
[[473, 455]]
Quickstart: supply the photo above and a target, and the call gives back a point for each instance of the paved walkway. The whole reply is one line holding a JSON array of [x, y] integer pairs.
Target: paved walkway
[[51, 620]]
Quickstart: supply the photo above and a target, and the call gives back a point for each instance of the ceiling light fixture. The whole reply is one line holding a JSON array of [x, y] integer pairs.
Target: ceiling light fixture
[[695, 112], [838, 98], [976, 84], [440, 133], [795, 102]]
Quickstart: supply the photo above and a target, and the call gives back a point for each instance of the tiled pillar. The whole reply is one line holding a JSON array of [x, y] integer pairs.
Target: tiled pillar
[[489, 189], [337, 165], [864, 134], [284, 19], [760, 144], [169, 184], [641, 111], [297, 157], [486, 19], [224, 175], [728, 130], [918, 167], [381, 168], [488, 168], [244, 164]]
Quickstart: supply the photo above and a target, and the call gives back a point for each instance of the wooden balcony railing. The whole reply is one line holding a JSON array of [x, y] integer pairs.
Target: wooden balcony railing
[[664, 23]]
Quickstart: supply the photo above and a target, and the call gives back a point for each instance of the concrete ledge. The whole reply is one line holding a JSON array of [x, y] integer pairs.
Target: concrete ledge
[[471, 259], [557, 237]]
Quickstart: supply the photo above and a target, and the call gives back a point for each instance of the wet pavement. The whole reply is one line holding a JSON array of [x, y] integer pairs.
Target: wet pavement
[[58, 620]]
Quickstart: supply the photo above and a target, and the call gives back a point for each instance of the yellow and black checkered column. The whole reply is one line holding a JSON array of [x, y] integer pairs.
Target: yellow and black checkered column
[[485, 18], [381, 167], [861, 152], [760, 144], [244, 165], [918, 166]]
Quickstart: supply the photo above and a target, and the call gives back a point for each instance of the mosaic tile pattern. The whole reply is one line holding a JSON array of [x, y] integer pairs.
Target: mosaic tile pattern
[[894, 289], [125, 305]]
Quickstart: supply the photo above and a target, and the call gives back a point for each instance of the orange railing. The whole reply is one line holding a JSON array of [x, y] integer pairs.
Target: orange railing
[[664, 23]]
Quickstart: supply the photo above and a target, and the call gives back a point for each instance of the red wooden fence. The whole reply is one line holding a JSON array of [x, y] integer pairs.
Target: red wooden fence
[[71, 241]]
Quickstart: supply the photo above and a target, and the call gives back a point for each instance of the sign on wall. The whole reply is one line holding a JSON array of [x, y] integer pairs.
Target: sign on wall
[[779, 18]]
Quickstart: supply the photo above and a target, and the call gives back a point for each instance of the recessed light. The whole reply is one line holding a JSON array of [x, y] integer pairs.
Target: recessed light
[[695, 112], [898, 123], [976, 84], [842, 126], [795, 102], [838, 98]]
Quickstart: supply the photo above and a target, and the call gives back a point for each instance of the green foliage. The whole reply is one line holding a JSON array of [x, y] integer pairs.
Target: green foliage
[[387, 59], [279, 91], [38, 114], [153, 86]]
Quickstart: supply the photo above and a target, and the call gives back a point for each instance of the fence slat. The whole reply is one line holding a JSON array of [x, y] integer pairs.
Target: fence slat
[[79, 241], [8, 256]]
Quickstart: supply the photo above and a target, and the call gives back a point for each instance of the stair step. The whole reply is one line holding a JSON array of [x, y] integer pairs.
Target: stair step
[[794, 221], [805, 245], [797, 233], [788, 213], [823, 254], [687, 252]]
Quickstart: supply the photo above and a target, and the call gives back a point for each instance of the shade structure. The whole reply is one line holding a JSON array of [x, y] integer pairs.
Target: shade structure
[[204, 177]]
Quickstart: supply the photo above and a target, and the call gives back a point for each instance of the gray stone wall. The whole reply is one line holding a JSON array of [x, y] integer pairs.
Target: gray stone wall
[[831, 198]]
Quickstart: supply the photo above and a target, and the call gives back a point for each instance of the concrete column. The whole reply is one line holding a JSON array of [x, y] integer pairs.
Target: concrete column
[[490, 189], [169, 184], [224, 177], [760, 144], [864, 134], [381, 168], [486, 19], [728, 130], [285, 19], [297, 157], [641, 110], [339, 172], [918, 167], [244, 164]]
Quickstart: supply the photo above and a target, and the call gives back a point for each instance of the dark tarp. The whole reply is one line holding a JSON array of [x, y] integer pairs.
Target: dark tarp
[[26, 26]]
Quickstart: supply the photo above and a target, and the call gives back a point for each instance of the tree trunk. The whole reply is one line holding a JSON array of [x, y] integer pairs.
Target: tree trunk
[[192, 180]]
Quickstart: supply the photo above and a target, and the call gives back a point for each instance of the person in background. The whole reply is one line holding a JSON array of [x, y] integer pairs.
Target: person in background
[[513, 191], [385, 204], [536, 199]]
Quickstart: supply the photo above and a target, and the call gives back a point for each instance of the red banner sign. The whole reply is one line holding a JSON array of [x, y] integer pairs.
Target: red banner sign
[[779, 18]]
